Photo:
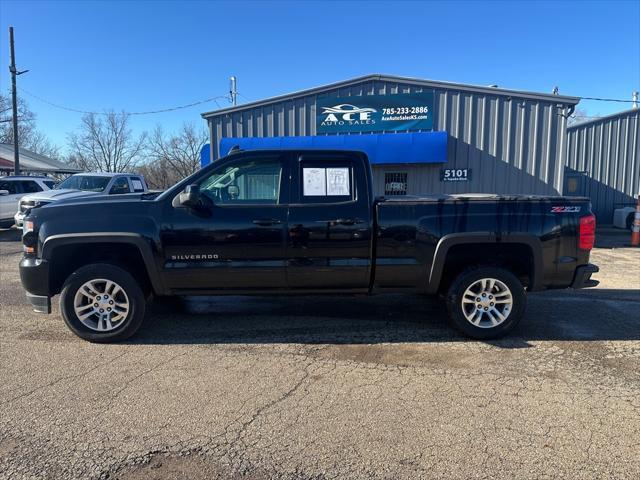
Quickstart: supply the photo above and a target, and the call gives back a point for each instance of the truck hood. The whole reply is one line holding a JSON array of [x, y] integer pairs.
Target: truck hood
[[61, 194], [99, 199]]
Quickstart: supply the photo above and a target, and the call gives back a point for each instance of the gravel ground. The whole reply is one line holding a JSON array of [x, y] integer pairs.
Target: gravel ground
[[315, 388]]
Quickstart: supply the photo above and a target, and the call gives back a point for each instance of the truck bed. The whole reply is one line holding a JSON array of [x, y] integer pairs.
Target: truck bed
[[412, 230]]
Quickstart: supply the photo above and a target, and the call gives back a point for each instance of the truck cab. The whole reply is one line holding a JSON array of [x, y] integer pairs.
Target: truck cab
[[274, 221]]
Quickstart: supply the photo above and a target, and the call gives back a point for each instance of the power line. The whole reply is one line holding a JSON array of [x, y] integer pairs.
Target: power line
[[607, 99], [226, 97], [150, 112]]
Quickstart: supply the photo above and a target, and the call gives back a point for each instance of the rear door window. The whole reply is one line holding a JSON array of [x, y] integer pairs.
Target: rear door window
[[49, 183], [137, 184], [326, 180]]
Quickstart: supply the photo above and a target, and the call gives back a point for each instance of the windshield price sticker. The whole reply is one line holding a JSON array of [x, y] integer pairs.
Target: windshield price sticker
[[314, 182], [326, 182], [338, 182]]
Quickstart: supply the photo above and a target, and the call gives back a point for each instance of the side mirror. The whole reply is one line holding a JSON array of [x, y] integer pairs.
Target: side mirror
[[4, 192], [192, 198]]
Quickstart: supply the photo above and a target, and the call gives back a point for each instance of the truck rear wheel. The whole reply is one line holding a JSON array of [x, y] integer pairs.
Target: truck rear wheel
[[102, 303], [486, 302]]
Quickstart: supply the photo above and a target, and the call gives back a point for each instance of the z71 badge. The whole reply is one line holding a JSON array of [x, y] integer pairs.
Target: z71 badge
[[565, 209]]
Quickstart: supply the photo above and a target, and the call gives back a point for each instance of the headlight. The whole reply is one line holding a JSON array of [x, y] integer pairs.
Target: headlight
[[29, 237]]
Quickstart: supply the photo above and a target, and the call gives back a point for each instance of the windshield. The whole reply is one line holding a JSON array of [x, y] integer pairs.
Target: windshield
[[87, 183]]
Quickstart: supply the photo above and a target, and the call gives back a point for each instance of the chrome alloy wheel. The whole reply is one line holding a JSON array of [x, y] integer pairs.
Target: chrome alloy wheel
[[101, 305], [487, 303]]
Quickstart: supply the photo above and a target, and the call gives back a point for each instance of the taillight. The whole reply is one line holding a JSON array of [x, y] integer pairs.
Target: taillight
[[587, 232]]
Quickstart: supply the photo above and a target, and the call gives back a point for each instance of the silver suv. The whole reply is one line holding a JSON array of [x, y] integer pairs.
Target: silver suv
[[83, 185], [15, 187]]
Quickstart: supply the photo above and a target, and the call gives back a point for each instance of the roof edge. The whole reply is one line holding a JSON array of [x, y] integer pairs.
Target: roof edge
[[604, 119], [391, 78]]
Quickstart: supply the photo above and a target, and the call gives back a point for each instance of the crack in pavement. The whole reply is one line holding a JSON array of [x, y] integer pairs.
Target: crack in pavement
[[62, 379]]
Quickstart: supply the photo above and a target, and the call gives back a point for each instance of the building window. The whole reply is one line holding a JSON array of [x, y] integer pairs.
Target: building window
[[395, 183]]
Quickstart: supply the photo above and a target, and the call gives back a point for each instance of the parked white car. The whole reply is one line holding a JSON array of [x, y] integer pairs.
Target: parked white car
[[82, 185], [13, 188], [623, 217]]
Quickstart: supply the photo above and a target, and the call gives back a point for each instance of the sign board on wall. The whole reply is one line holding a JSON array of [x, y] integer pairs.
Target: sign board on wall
[[455, 174], [375, 113]]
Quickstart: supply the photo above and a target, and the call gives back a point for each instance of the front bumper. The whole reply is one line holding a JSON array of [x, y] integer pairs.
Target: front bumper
[[34, 275], [40, 303], [582, 277]]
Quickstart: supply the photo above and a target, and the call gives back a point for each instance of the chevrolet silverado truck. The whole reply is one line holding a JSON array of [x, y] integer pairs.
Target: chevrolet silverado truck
[[300, 222]]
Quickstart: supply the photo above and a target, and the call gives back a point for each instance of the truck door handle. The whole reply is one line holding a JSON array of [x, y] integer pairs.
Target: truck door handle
[[346, 221], [265, 222]]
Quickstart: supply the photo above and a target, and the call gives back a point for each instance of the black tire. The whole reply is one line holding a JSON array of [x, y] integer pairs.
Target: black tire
[[630, 219], [136, 300], [456, 310]]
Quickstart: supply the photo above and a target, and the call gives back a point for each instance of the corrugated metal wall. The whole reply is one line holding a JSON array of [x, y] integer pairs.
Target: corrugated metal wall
[[512, 144], [608, 151]]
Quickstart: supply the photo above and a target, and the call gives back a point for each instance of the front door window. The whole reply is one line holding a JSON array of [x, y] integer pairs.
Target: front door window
[[245, 182]]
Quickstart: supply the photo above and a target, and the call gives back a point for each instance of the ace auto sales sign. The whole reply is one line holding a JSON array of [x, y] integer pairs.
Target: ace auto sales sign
[[375, 113]]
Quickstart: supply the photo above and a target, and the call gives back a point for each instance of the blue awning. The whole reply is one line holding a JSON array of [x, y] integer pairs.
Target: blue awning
[[205, 154], [382, 149]]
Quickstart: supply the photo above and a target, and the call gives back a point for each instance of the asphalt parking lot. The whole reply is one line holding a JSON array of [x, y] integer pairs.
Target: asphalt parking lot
[[315, 388]]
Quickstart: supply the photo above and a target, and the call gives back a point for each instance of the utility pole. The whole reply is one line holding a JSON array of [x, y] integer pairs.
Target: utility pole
[[233, 91], [634, 95], [14, 95], [14, 98]]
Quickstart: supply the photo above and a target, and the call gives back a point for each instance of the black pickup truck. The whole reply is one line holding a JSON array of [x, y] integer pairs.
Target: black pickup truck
[[300, 222]]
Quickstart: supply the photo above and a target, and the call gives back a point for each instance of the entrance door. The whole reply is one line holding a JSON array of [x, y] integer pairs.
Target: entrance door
[[575, 183]]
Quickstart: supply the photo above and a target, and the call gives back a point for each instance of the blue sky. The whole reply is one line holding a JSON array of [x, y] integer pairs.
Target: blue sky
[[145, 55]]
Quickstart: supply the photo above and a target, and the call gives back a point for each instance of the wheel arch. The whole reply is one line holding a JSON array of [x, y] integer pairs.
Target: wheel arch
[[133, 244], [447, 242]]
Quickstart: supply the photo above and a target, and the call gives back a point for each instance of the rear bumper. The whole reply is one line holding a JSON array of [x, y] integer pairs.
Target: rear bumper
[[34, 275], [582, 277]]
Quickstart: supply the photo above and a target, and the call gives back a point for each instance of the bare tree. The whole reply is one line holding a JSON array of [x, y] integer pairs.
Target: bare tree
[[158, 175], [579, 116], [29, 136], [105, 143], [173, 157]]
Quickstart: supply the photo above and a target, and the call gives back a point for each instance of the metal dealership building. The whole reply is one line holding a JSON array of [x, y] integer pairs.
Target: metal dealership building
[[478, 139], [603, 161]]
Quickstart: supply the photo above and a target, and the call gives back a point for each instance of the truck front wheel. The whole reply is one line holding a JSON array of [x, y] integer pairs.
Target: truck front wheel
[[486, 302], [102, 303]]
